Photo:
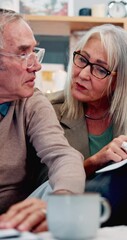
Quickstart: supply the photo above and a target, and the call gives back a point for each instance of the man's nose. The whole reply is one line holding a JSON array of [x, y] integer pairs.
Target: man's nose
[[36, 67]]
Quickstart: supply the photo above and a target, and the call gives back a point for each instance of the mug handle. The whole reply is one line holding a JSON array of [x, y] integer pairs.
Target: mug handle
[[106, 210]]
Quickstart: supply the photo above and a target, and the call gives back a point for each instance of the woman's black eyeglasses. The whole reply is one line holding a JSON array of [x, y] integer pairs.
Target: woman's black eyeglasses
[[96, 70]]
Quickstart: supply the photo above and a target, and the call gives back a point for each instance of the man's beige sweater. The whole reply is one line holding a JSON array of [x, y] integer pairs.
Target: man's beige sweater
[[32, 123]]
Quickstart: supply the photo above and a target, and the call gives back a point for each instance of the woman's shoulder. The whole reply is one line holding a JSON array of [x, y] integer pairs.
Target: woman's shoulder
[[56, 97]]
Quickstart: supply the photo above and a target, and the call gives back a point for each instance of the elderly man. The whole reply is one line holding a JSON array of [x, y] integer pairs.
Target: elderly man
[[27, 122]]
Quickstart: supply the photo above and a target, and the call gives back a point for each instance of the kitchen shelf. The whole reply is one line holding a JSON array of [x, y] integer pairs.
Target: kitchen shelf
[[64, 25]]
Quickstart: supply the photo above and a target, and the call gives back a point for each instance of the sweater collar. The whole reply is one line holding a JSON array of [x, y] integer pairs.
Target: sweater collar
[[4, 107]]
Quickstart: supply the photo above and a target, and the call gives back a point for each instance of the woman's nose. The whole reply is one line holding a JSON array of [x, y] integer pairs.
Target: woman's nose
[[85, 72]]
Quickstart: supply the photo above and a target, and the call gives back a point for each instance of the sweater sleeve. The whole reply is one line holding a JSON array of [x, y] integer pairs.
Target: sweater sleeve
[[65, 164]]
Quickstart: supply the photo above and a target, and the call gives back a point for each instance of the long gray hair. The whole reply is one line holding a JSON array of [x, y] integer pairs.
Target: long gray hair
[[114, 41]]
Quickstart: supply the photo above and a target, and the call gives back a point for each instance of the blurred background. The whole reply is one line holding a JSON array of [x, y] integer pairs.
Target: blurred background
[[52, 77]]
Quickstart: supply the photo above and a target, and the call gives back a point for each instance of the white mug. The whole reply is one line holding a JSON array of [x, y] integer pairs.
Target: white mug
[[75, 217]]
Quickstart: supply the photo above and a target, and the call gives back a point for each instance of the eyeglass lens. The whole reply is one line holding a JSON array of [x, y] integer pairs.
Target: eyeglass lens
[[96, 70], [38, 55]]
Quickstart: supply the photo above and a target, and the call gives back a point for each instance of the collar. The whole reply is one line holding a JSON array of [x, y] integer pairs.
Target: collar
[[70, 123], [4, 107]]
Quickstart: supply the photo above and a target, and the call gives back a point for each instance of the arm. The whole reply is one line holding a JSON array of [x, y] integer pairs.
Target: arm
[[66, 173], [65, 163], [112, 151]]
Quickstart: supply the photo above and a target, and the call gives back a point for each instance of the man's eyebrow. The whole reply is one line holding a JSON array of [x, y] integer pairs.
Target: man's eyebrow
[[23, 47], [26, 47]]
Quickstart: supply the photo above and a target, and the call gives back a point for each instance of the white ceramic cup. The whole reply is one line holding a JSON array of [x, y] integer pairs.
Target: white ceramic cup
[[75, 217]]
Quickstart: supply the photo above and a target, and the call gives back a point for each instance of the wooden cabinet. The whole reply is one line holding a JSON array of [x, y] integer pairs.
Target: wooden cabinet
[[64, 25], [55, 27]]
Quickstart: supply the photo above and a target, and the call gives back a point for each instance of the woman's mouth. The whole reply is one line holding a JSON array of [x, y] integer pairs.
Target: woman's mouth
[[80, 87]]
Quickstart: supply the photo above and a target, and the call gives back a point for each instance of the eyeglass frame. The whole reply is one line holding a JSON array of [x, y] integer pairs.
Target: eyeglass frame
[[91, 65], [26, 56]]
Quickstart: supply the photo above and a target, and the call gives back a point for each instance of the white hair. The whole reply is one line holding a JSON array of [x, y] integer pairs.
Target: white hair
[[114, 41], [7, 16]]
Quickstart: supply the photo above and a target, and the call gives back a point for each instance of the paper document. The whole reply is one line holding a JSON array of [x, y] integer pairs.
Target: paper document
[[112, 166], [13, 234]]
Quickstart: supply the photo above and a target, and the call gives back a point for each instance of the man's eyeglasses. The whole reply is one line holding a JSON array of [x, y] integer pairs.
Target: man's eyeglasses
[[96, 70], [28, 60]]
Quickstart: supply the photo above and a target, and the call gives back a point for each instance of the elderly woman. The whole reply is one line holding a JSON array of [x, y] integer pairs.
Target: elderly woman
[[93, 113], [93, 110]]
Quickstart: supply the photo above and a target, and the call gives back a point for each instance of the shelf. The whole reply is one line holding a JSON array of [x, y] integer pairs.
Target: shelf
[[64, 25]]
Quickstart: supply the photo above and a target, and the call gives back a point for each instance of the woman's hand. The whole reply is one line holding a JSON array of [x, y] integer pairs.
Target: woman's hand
[[28, 215], [112, 151]]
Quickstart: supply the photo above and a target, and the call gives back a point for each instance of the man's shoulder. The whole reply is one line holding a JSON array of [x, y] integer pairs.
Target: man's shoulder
[[37, 97], [33, 103]]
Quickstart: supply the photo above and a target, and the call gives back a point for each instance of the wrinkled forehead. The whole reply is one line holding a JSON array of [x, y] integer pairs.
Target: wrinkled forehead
[[17, 33]]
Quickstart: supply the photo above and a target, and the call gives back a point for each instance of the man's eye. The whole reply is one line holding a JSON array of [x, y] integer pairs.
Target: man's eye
[[35, 50], [22, 56], [23, 53]]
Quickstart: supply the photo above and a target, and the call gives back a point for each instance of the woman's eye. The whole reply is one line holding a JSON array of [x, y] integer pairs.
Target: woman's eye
[[83, 60], [102, 70]]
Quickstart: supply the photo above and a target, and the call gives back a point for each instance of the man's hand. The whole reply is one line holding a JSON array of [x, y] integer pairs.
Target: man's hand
[[28, 215]]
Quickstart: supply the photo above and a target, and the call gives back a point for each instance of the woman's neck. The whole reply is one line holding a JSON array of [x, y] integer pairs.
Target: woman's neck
[[97, 118], [97, 110]]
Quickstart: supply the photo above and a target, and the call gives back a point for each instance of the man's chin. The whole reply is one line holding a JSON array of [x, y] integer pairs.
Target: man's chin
[[28, 93]]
